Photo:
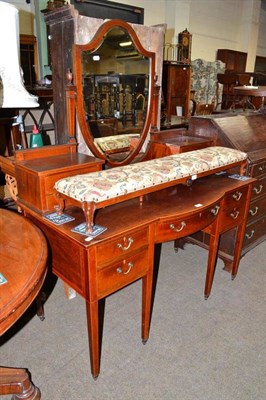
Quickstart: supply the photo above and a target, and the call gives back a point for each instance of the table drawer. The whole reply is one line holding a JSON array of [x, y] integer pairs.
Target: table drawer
[[122, 273], [122, 245], [235, 198], [174, 228], [231, 217]]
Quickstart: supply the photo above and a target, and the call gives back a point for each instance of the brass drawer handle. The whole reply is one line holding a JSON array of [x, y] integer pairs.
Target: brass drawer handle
[[249, 235], [179, 228], [261, 168], [119, 270], [258, 190], [237, 196], [254, 212], [215, 210], [234, 214], [124, 248]]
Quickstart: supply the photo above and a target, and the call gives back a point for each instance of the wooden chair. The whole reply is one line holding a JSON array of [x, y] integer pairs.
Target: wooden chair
[[228, 81], [204, 109], [103, 127]]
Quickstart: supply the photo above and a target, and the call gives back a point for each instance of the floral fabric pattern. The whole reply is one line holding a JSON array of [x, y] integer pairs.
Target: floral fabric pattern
[[115, 142], [204, 81], [103, 185]]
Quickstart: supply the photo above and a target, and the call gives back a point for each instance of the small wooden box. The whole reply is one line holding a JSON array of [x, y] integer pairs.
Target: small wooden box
[[36, 177]]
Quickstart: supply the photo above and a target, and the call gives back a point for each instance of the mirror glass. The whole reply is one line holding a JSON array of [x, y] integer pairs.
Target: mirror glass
[[113, 78]]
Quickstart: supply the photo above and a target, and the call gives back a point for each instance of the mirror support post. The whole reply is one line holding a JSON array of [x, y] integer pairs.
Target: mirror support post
[[155, 105], [71, 95]]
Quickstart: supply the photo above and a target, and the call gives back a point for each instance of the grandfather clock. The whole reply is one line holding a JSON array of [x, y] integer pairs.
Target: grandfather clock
[[184, 47]]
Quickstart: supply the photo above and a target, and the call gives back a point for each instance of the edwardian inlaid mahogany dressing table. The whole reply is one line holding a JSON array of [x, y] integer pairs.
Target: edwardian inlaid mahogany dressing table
[[125, 251], [23, 256]]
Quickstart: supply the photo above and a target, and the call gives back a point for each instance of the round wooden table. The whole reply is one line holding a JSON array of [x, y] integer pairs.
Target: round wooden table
[[250, 91], [23, 258]]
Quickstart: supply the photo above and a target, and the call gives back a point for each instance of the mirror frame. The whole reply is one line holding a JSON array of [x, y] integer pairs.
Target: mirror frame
[[79, 100]]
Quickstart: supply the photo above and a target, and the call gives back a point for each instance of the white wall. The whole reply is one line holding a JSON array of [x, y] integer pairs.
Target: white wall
[[225, 24], [154, 10], [261, 49], [231, 26], [26, 16]]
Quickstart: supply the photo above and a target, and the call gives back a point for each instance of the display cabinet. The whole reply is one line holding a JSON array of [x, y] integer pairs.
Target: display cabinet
[[234, 60], [29, 59], [176, 88]]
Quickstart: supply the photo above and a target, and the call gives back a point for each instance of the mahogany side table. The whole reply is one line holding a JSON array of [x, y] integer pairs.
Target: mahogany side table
[[250, 91], [23, 257]]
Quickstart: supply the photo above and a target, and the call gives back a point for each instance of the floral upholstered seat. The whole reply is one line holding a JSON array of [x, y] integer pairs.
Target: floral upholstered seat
[[115, 143], [108, 184]]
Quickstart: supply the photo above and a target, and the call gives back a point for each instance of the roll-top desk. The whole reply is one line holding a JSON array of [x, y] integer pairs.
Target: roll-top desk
[[245, 132]]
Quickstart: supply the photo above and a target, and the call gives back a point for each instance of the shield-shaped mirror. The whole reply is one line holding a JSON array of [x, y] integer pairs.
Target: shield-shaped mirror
[[114, 77]]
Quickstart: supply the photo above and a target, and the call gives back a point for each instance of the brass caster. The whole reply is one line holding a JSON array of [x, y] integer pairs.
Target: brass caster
[[144, 341]]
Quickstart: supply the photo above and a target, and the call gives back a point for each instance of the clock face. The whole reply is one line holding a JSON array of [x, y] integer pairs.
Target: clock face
[[185, 41]]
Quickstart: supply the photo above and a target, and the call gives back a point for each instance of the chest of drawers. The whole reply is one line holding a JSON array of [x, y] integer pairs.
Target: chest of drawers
[[245, 132]]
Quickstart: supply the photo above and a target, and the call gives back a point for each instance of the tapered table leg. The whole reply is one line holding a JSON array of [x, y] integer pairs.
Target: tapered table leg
[[238, 247], [212, 258], [146, 306], [93, 334]]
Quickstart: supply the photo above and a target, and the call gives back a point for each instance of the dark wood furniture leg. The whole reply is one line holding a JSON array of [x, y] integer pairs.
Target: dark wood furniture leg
[[146, 305], [39, 307], [212, 257], [238, 248], [17, 381], [92, 310]]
